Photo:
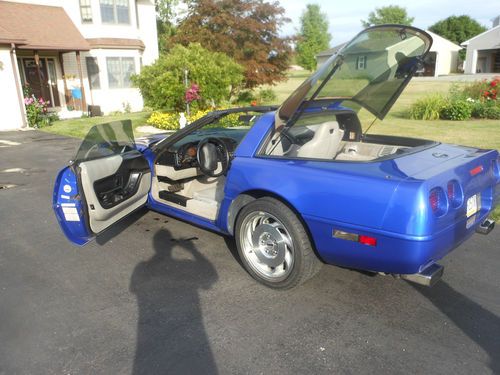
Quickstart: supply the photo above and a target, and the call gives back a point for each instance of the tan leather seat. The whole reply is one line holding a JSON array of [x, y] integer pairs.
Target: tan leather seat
[[325, 142]]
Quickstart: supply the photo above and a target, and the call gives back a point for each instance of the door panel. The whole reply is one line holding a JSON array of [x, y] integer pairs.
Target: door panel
[[114, 187], [108, 179]]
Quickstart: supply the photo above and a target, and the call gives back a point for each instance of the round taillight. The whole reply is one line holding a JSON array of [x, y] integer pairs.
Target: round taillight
[[437, 201], [455, 194]]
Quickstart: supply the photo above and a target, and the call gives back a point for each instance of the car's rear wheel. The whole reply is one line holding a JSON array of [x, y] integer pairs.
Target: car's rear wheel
[[273, 245]]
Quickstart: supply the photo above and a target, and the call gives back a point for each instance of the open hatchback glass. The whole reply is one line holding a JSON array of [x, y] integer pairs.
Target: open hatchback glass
[[372, 70]]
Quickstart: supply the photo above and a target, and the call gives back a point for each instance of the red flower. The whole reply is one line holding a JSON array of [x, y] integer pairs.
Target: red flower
[[493, 83], [193, 93], [253, 103]]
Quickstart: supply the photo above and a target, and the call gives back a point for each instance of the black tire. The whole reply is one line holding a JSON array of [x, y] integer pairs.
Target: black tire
[[304, 262]]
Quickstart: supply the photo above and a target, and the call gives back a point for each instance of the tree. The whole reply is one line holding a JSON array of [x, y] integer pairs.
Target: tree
[[162, 84], [246, 30], [457, 29], [313, 36], [165, 17], [388, 14]]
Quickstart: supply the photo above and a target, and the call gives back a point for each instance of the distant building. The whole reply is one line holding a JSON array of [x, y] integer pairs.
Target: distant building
[[73, 53], [483, 51], [441, 60]]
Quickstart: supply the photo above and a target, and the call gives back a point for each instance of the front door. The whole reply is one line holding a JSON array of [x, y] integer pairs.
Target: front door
[[43, 84]]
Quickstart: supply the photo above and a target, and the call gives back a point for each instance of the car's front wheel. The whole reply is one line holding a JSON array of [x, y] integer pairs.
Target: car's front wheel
[[273, 244]]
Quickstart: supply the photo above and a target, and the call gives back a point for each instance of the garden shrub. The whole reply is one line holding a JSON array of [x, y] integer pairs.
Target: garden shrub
[[457, 110], [486, 109], [37, 112], [246, 97], [170, 120], [477, 99], [266, 96], [428, 107], [162, 84]]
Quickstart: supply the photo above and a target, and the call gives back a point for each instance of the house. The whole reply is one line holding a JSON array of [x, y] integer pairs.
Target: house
[[483, 51], [325, 55], [73, 53], [441, 60]]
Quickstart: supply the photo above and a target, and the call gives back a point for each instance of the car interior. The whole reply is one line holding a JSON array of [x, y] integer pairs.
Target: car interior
[[190, 174], [334, 135]]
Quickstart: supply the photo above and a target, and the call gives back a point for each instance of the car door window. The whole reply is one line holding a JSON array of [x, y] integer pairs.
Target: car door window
[[105, 140]]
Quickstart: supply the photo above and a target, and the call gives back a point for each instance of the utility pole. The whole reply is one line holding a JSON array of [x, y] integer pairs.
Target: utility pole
[[186, 83]]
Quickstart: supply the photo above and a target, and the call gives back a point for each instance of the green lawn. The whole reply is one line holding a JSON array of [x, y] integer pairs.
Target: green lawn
[[78, 128]]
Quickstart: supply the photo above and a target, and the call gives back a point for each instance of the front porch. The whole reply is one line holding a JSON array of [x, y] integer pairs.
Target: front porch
[[44, 74], [40, 45]]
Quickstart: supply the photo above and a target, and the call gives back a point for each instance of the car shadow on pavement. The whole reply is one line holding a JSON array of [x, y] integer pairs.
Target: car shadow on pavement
[[171, 337], [475, 321]]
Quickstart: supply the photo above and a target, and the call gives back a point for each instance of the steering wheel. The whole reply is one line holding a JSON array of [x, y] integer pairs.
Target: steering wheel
[[212, 151]]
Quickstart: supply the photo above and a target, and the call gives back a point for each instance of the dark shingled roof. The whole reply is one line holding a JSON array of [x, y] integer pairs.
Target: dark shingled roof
[[39, 27]]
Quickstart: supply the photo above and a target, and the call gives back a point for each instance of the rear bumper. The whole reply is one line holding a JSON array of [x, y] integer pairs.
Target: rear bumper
[[394, 253]]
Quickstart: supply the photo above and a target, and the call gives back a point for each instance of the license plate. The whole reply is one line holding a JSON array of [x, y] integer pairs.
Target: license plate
[[473, 205]]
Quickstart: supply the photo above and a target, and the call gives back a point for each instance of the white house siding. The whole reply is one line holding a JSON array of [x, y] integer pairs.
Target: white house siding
[[12, 112], [109, 99], [446, 55], [148, 31], [482, 47]]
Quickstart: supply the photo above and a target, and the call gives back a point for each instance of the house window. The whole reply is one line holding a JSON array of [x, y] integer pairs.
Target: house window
[[93, 72], [115, 11], [119, 71], [361, 63], [86, 11]]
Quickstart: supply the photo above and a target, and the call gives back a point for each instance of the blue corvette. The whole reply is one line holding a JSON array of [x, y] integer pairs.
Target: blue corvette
[[301, 184]]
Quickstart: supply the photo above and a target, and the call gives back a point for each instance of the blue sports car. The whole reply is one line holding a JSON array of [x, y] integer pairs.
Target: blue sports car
[[301, 184]]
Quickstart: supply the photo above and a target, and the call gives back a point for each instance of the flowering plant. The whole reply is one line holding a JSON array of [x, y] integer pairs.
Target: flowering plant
[[491, 90], [192, 93], [36, 111], [170, 120]]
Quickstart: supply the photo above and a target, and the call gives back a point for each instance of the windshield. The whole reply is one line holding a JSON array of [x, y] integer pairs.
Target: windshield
[[371, 70], [106, 140]]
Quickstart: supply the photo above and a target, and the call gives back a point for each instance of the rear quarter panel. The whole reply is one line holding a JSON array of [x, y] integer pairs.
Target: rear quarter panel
[[386, 199]]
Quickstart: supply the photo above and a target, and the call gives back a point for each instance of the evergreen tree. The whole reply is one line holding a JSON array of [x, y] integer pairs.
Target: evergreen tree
[[313, 36]]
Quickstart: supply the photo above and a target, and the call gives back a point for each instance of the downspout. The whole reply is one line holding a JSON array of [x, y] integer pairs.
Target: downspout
[[20, 96]]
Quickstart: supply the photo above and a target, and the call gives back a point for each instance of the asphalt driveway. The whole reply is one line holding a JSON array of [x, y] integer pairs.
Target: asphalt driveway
[[157, 295]]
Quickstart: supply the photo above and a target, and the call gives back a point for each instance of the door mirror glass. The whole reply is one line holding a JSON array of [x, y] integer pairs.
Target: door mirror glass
[[106, 140]]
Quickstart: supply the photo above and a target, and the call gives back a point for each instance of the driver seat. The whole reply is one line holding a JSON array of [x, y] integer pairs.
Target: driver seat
[[325, 142]]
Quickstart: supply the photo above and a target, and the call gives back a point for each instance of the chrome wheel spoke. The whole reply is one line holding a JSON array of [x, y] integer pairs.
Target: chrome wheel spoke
[[267, 246]]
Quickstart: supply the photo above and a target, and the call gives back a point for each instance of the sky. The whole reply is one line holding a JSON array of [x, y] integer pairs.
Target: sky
[[344, 16]]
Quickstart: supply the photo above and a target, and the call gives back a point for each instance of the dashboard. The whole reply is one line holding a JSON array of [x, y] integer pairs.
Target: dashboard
[[183, 154]]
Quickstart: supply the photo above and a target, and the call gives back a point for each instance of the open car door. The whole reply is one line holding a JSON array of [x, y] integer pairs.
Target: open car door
[[108, 179]]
